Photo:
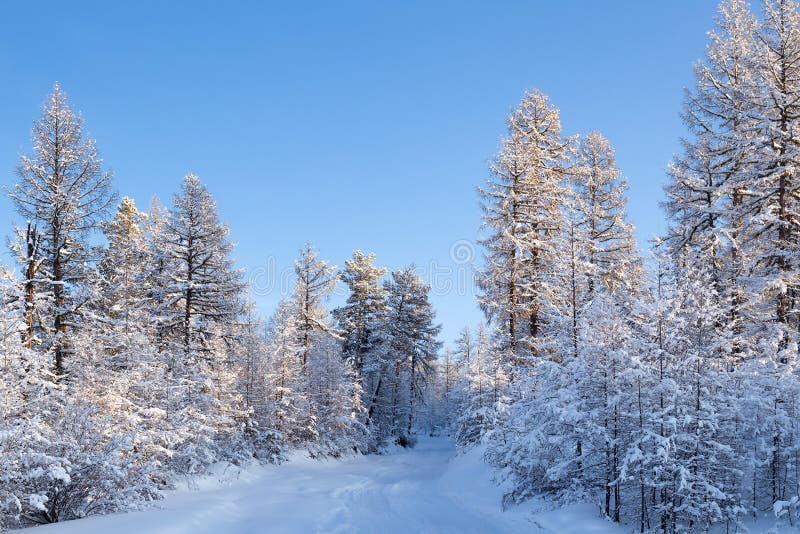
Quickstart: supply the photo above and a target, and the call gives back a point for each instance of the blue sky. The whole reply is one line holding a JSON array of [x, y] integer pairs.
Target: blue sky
[[349, 124]]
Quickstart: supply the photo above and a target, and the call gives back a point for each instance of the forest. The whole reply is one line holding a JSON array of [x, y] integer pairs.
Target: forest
[[662, 385]]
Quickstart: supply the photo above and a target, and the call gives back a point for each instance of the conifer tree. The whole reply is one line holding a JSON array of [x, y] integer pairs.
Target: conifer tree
[[361, 315], [314, 283], [122, 273], [202, 300], [522, 213], [601, 202], [205, 288], [411, 343], [65, 193], [292, 415]]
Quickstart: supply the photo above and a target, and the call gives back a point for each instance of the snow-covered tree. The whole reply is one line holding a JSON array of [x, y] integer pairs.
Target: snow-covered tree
[[337, 399], [292, 413], [65, 193], [522, 213], [313, 285], [410, 348], [122, 279], [205, 288], [199, 296], [485, 387], [25, 249], [600, 201], [360, 317], [449, 390]]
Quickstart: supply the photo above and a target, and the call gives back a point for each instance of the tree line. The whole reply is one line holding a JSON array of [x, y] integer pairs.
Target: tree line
[[128, 364], [664, 390]]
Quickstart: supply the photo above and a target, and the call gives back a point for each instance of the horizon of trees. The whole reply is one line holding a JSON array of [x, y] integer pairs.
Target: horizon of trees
[[669, 395], [126, 365]]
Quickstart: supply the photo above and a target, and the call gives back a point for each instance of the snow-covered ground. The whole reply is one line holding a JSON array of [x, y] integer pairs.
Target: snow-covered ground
[[427, 489]]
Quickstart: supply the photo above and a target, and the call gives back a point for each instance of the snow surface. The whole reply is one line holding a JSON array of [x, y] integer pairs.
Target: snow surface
[[428, 489]]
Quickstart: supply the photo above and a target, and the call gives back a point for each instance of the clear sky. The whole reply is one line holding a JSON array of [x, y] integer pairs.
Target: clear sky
[[349, 124]]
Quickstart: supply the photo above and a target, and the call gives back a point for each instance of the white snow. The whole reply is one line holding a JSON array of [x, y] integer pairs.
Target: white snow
[[428, 489]]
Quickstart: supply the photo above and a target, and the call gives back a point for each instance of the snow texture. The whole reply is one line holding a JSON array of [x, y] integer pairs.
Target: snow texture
[[428, 489]]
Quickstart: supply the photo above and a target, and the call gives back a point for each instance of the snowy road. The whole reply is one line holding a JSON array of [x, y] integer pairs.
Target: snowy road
[[423, 490]]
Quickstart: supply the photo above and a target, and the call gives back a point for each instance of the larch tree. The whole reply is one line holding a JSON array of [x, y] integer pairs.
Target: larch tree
[[123, 272], [522, 213], [773, 224], [503, 219], [360, 318], [316, 279], [601, 201], [412, 344], [205, 289], [485, 380], [291, 413], [710, 191], [158, 282], [202, 299], [25, 249], [65, 193]]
